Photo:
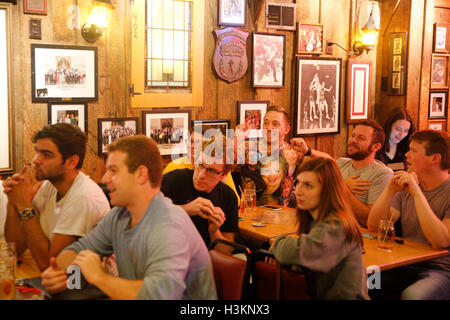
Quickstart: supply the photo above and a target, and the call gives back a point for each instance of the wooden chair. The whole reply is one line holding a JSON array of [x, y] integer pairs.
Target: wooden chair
[[273, 281], [231, 274]]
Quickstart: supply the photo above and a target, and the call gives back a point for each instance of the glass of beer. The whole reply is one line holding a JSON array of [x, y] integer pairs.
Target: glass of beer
[[7, 281], [386, 235]]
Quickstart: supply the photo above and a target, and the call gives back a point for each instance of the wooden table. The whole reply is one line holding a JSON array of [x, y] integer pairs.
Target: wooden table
[[27, 268], [276, 223], [409, 252], [286, 224]]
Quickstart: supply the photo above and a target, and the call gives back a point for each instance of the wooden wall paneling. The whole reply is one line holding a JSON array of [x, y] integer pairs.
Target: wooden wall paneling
[[399, 21], [426, 65], [414, 69]]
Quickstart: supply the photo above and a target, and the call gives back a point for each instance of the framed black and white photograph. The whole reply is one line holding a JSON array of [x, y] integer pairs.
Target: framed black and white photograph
[[251, 113], [6, 115], [317, 96], [438, 105], [439, 71], [61, 73], [169, 128], [269, 58], [71, 113], [210, 127], [232, 13], [110, 129], [440, 41]]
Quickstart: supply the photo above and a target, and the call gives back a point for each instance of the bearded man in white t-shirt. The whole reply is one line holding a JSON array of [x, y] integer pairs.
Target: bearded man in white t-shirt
[[63, 206]]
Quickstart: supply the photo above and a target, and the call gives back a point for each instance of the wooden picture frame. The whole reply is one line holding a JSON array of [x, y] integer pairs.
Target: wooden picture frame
[[35, 7], [169, 128], [437, 124], [439, 71], [438, 105], [71, 113], [281, 16], [359, 86], [318, 90], [6, 97], [441, 38], [203, 126], [109, 129], [269, 59], [251, 113], [63, 73], [232, 13], [397, 62], [310, 38]]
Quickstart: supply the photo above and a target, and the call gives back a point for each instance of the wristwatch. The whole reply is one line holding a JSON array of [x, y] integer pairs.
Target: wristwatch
[[27, 214]]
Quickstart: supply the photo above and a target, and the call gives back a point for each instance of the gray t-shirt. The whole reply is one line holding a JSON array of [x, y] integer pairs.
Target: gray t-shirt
[[164, 248], [337, 269], [439, 201], [377, 172]]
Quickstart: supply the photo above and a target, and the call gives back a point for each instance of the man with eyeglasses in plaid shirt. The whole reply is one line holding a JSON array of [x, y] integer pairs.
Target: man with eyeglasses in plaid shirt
[[211, 204]]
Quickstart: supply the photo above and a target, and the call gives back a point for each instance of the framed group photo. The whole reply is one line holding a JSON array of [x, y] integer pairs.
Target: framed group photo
[[204, 126], [358, 90], [63, 73], [269, 59], [438, 105], [251, 113], [71, 113], [439, 69], [441, 37], [317, 96], [232, 13], [169, 128], [110, 129], [310, 38]]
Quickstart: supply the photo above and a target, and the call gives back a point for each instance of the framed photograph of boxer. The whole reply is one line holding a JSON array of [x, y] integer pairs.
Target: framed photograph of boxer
[[318, 89], [63, 73], [169, 128], [71, 113], [232, 13], [251, 113], [438, 105], [269, 58], [110, 129]]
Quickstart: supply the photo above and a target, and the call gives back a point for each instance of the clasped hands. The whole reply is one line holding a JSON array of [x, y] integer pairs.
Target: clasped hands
[[20, 190], [404, 181]]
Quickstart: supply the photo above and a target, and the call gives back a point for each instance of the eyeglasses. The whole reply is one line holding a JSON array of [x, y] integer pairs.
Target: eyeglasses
[[210, 172]]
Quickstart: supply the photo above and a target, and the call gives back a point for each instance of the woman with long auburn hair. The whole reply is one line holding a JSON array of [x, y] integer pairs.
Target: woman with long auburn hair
[[329, 242]]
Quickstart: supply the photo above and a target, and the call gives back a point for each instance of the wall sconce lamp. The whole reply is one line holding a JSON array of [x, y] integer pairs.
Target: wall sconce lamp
[[97, 20], [368, 35]]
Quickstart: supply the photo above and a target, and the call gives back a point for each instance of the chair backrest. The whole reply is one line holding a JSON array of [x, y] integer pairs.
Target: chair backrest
[[231, 274], [272, 281]]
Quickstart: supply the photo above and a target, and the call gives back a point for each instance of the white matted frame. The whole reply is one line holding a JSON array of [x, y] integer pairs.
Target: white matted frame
[[232, 13], [63, 73], [71, 113], [169, 128], [437, 108], [318, 96], [6, 110], [358, 90], [252, 114]]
